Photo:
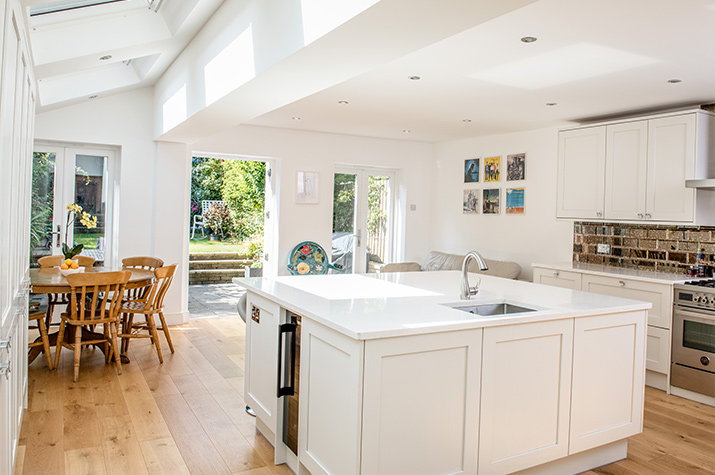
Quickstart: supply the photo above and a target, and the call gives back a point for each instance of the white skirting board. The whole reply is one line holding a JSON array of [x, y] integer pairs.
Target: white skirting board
[[175, 318], [684, 393], [582, 461]]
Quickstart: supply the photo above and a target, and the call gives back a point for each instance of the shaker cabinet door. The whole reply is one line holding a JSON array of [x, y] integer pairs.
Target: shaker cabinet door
[[626, 157], [581, 162]]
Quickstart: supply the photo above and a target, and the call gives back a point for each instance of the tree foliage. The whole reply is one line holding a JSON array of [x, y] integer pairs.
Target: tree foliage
[[344, 202]]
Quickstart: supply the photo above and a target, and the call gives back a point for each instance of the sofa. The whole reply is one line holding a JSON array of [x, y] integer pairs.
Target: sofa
[[437, 260]]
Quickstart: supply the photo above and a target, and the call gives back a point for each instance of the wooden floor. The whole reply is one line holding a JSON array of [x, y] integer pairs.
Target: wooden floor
[[187, 416]]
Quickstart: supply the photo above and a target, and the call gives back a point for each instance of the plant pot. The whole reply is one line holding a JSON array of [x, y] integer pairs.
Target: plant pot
[[214, 237], [253, 271]]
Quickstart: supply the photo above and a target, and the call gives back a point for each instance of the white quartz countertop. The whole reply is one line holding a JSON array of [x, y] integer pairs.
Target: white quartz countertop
[[646, 276], [369, 306]]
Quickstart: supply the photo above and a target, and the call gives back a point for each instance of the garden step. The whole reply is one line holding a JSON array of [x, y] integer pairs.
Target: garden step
[[222, 264], [213, 276], [216, 256]]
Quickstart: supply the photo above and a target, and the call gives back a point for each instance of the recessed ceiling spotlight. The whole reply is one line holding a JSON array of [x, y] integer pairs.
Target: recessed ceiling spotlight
[[295, 118], [105, 57], [413, 78], [466, 120], [674, 81], [528, 39], [94, 96], [550, 104], [343, 102], [406, 131]]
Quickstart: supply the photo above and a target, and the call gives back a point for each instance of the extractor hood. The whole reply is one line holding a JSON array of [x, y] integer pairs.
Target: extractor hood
[[705, 184]]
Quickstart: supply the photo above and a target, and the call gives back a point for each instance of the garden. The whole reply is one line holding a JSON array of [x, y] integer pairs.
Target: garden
[[233, 220]]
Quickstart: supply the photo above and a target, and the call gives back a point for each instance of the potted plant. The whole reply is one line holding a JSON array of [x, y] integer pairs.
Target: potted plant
[[217, 218], [74, 213]]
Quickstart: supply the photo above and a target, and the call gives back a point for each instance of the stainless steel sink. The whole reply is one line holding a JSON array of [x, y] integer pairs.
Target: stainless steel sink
[[493, 309]]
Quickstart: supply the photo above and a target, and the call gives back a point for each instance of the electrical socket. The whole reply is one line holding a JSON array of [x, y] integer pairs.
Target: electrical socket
[[603, 249]]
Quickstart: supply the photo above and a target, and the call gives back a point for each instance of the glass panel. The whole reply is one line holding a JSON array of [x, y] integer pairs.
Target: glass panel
[[91, 195], [378, 211], [344, 220], [43, 185], [699, 336], [62, 5]]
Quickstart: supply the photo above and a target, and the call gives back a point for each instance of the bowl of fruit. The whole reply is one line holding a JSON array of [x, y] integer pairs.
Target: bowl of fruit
[[70, 267]]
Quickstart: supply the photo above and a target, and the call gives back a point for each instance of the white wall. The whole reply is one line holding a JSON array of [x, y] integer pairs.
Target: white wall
[[307, 151], [534, 236], [152, 185]]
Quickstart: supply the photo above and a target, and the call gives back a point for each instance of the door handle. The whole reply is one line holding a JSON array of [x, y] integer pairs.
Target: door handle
[[58, 233], [289, 331], [358, 235], [5, 370], [6, 344]]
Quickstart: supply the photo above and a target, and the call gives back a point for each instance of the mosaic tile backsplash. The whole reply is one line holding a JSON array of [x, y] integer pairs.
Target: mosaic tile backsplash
[[657, 248]]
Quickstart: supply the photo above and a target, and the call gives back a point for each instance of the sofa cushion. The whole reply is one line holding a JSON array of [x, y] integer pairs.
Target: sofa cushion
[[437, 260], [400, 267]]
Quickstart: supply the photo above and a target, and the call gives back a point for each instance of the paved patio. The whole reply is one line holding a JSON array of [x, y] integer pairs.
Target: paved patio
[[214, 300]]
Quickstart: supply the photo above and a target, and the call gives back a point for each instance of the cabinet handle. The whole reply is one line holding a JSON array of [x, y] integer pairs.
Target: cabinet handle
[[648, 216], [621, 283], [640, 215], [5, 370], [6, 344], [556, 274], [289, 330], [256, 314], [599, 214]]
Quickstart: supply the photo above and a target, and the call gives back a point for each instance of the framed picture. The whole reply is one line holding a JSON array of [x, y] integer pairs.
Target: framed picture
[[516, 167], [470, 203], [306, 191], [515, 201], [471, 171], [491, 169], [490, 201]]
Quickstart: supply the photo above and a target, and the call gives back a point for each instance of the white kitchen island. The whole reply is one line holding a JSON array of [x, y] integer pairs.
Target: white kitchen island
[[393, 380]]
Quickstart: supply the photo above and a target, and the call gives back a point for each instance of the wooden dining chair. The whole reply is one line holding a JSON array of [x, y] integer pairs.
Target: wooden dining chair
[[37, 314], [56, 260], [140, 262], [59, 299], [95, 299], [150, 305]]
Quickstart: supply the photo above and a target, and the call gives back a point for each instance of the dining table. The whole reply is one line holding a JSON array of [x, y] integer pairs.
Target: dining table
[[50, 280]]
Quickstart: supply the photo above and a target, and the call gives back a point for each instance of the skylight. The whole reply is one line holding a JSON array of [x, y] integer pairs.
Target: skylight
[[64, 5]]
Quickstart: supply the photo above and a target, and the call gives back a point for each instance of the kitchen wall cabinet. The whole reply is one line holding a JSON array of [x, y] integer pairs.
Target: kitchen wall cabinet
[[606, 395], [535, 360], [642, 166], [582, 156], [660, 316]]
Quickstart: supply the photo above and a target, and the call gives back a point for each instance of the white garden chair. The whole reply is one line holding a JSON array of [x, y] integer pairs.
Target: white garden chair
[[199, 218]]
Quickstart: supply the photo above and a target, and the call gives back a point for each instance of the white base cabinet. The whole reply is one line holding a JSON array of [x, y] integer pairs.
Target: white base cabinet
[[660, 316], [526, 382]]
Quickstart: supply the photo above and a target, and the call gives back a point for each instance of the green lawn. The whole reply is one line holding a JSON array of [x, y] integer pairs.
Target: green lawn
[[88, 239], [205, 245]]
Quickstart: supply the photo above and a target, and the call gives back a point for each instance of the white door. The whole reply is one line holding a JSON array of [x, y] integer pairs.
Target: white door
[[83, 176], [671, 161], [363, 203], [626, 158], [581, 162]]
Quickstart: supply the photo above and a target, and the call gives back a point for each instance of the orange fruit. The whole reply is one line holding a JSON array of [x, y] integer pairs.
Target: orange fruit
[[68, 262], [64, 266], [74, 265]]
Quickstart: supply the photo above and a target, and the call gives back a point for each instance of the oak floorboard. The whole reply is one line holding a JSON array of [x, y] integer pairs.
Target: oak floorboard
[[44, 453], [163, 457], [85, 461], [120, 446]]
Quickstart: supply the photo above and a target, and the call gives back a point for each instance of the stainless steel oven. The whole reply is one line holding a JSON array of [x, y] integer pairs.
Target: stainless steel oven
[[693, 350]]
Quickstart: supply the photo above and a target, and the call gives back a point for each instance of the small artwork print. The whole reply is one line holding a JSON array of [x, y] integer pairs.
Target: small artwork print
[[490, 201], [515, 201], [516, 167], [471, 202], [471, 171], [491, 169]]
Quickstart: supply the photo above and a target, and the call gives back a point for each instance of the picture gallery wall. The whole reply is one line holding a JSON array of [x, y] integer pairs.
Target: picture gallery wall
[[488, 172]]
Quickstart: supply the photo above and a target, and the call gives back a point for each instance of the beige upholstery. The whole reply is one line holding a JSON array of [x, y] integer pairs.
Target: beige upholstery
[[437, 260]]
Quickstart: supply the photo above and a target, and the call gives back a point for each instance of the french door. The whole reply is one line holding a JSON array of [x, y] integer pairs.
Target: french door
[[363, 204], [66, 175]]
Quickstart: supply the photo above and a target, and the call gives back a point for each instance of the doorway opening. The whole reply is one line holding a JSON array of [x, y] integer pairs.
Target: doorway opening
[[227, 230], [363, 218], [73, 197]]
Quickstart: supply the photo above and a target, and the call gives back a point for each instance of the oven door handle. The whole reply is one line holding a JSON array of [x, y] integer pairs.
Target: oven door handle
[[286, 381], [704, 316]]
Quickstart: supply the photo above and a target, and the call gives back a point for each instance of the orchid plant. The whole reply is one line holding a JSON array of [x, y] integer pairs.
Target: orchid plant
[[74, 213]]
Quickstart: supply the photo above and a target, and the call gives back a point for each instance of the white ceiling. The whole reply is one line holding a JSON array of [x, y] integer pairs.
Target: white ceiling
[[594, 59]]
